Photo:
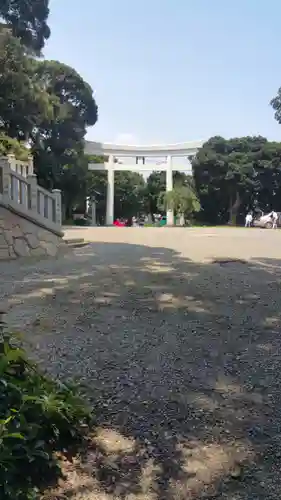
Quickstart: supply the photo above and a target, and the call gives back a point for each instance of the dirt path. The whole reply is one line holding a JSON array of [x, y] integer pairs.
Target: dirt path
[[181, 357]]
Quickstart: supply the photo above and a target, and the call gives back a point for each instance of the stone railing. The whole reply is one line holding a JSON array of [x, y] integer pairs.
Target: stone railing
[[23, 168], [20, 192]]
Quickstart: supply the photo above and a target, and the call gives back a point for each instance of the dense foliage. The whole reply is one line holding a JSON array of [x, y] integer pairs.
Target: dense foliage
[[39, 418], [23, 102], [58, 143], [236, 175], [45, 103], [182, 200], [156, 185], [12, 146], [276, 104], [78, 183], [27, 21]]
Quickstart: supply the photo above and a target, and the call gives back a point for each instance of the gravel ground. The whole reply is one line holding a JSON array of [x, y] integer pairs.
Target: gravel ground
[[176, 334]]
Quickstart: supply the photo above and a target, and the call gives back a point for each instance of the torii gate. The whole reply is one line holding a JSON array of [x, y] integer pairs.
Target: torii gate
[[139, 154]]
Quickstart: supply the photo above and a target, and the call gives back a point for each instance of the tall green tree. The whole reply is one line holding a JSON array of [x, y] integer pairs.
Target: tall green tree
[[128, 194], [156, 184], [77, 183], [276, 105], [60, 141], [27, 20], [24, 104], [227, 177], [182, 200], [268, 177], [46, 103]]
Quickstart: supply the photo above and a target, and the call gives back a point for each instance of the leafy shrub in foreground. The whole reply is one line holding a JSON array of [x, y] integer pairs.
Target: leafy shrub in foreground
[[38, 417]]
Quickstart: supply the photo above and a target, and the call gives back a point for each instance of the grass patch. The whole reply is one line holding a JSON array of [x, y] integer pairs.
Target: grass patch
[[40, 420]]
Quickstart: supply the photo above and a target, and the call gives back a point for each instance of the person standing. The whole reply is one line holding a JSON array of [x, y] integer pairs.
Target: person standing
[[274, 216], [248, 220]]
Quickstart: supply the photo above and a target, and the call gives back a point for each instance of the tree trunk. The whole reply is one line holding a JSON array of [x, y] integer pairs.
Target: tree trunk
[[182, 220], [63, 212], [233, 209], [68, 207]]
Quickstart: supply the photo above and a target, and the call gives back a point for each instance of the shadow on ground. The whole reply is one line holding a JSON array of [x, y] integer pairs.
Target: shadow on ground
[[181, 361]]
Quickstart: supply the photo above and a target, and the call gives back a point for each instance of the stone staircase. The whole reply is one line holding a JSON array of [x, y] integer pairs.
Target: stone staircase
[[75, 242], [30, 216]]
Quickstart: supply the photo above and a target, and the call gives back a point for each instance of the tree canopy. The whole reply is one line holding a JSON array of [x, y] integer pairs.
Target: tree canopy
[[78, 183], [44, 103], [182, 200], [23, 103], [129, 191], [276, 104], [12, 146], [156, 184], [233, 176], [28, 21], [47, 104], [59, 141]]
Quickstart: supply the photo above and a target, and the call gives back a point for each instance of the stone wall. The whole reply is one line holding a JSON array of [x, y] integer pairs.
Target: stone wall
[[20, 237]]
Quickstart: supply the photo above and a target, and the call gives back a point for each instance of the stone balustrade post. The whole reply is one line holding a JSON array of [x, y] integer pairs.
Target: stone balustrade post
[[57, 193], [12, 161], [30, 165], [32, 195], [169, 187], [110, 192], [93, 213], [5, 182]]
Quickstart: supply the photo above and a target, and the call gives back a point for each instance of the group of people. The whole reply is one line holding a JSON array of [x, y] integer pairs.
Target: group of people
[[273, 216], [131, 221]]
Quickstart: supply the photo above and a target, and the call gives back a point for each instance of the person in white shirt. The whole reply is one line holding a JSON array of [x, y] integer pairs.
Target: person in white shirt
[[274, 216], [248, 220]]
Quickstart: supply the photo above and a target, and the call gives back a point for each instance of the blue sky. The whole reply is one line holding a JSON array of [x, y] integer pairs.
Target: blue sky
[[169, 71]]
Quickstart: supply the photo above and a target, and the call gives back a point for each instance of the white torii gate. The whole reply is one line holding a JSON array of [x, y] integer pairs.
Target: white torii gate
[[115, 152]]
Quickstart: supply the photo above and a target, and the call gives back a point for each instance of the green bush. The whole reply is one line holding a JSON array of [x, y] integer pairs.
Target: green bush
[[9, 145], [39, 418]]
